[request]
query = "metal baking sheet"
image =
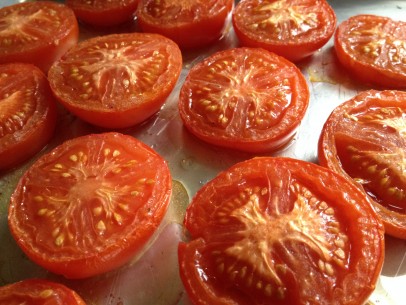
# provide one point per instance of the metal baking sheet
(152, 278)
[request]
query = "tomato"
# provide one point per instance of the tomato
(190, 23)
(364, 140)
(36, 32)
(38, 292)
(102, 12)
(244, 98)
(294, 29)
(373, 49)
(90, 205)
(27, 113)
(280, 231)
(117, 80)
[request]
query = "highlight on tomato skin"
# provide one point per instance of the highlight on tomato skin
(247, 99)
(280, 231)
(37, 32)
(27, 113)
(90, 205)
(363, 139)
(294, 29)
(38, 292)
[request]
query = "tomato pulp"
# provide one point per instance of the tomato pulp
(280, 231)
(364, 140)
(90, 204)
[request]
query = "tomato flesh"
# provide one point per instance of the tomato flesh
(244, 98)
(89, 205)
(294, 29)
(364, 140)
(36, 32)
(280, 231)
(27, 113)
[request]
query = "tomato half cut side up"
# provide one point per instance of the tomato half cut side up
(104, 13)
(36, 32)
(280, 231)
(190, 23)
(27, 113)
(90, 204)
(38, 292)
(294, 29)
(364, 140)
(117, 80)
(247, 99)
(373, 49)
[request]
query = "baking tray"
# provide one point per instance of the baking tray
(152, 277)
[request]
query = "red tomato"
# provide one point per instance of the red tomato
(373, 49)
(117, 80)
(246, 99)
(27, 113)
(280, 231)
(364, 140)
(36, 32)
(102, 12)
(294, 29)
(190, 23)
(38, 292)
(90, 205)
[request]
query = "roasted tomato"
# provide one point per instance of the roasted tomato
(36, 32)
(364, 140)
(244, 98)
(294, 29)
(373, 49)
(27, 113)
(90, 205)
(117, 80)
(102, 12)
(190, 23)
(280, 231)
(38, 292)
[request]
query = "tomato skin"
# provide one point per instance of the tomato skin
(117, 80)
(38, 292)
(276, 25)
(248, 234)
(190, 23)
(37, 47)
(365, 46)
(366, 123)
(103, 13)
(27, 113)
(90, 205)
(246, 99)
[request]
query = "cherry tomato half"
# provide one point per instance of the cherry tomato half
(280, 231)
(36, 32)
(90, 204)
(373, 49)
(294, 29)
(244, 98)
(27, 113)
(364, 140)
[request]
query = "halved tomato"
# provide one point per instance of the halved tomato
(244, 98)
(117, 80)
(38, 292)
(102, 12)
(294, 29)
(90, 204)
(373, 49)
(190, 23)
(36, 32)
(280, 231)
(364, 139)
(27, 113)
